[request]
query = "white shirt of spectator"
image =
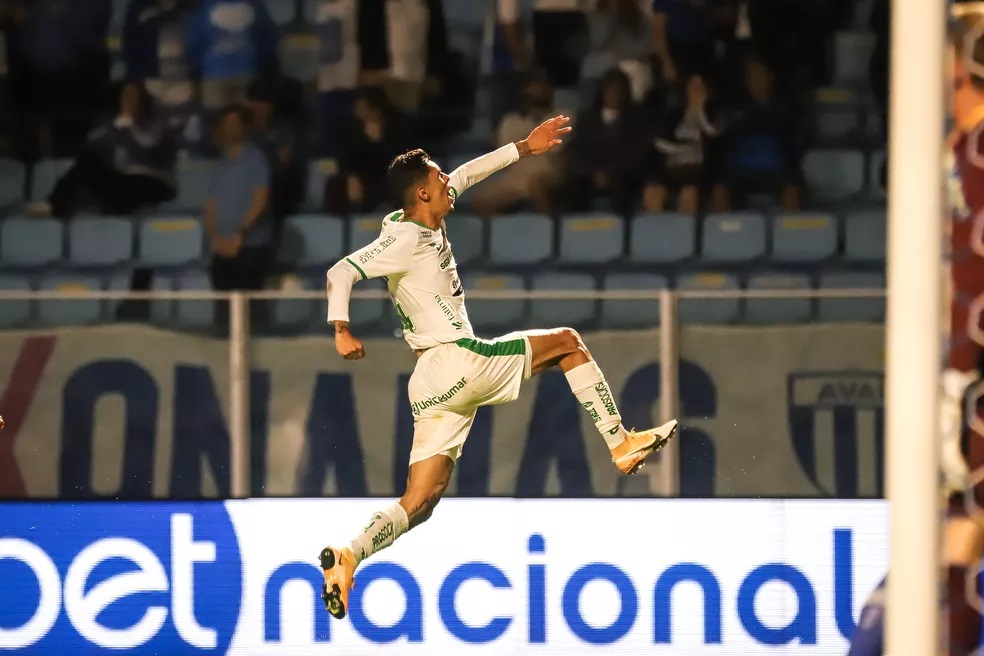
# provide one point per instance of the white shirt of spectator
(336, 22)
(406, 36)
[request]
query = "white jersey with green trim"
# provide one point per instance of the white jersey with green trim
(418, 265)
(422, 277)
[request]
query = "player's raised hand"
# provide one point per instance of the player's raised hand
(546, 136)
(348, 346)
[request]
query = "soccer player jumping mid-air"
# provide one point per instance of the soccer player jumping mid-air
(456, 372)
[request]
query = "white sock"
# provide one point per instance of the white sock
(591, 389)
(382, 530)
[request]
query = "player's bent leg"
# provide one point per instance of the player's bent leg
(426, 483)
(563, 347)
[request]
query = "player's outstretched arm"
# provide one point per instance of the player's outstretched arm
(545, 137)
(347, 344)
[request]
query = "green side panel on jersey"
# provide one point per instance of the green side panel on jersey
(492, 349)
(357, 268)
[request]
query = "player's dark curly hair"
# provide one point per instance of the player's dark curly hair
(405, 174)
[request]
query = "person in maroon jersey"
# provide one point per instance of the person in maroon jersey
(963, 432)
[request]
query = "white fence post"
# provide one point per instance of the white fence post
(664, 480)
(239, 431)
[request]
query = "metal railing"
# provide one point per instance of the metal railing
(662, 477)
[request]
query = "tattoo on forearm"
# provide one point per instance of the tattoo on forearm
(523, 148)
(341, 327)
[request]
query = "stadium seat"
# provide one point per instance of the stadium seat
(299, 55)
(318, 173)
(837, 121)
(292, 313)
(834, 174)
(708, 310)
(636, 313)
(777, 311)
(591, 238)
(662, 238)
(312, 241)
(865, 237)
(12, 175)
(30, 242)
(281, 11)
(467, 236)
(852, 54)
(45, 175)
(804, 238)
(521, 239)
(14, 313)
(70, 312)
(194, 313)
(363, 230)
(573, 312)
(166, 241)
(99, 241)
(852, 309)
(733, 238)
(194, 184)
(492, 316)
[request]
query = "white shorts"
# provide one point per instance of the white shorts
(450, 383)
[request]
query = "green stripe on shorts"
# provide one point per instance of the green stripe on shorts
(492, 349)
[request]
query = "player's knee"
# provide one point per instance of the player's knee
(571, 342)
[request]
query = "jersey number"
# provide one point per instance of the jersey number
(404, 319)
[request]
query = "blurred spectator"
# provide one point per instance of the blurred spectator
(608, 148)
(407, 32)
(237, 212)
(681, 38)
(229, 43)
(621, 36)
(560, 39)
(681, 162)
(279, 135)
(507, 58)
(154, 50)
(376, 135)
(125, 166)
(532, 179)
(337, 26)
(59, 68)
(761, 153)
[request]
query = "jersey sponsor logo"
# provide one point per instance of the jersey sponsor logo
(419, 406)
(446, 262)
(456, 289)
(383, 245)
(592, 412)
(606, 399)
(448, 311)
(385, 533)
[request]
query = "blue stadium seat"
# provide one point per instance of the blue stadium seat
(159, 309)
(195, 314)
(492, 317)
(363, 230)
(777, 311)
(865, 236)
(30, 242)
(632, 314)
(14, 313)
(46, 174)
(852, 54)
(299, 55)
(170, 241)
(313, 240)
(281, 11)
(521, 239)
(12, 174)
(319, 171)
(467, 236)
(591, 238)
(99, 241)
(733, 238)
(292, 313)
(834, 174)
(708, 310)
(70, 312)
(194, 185)
(804, 238)
(852, 309)
(576, 313)
(662, 238)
